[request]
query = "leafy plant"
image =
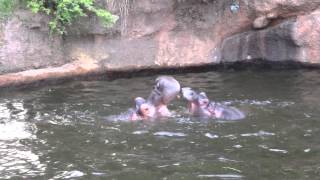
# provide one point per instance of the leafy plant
(64, 12)
(6, 8)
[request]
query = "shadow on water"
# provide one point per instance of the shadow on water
(60, 131)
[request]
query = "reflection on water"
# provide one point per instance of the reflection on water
(14, 130)
(17, 160)
(60, 132)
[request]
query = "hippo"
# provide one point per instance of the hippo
(143, 110)
(200, 105)
(164, 91)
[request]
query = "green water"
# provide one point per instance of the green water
(61, 131)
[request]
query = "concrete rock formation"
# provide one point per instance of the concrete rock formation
(25, 44)
(288, 31)
(168, 33)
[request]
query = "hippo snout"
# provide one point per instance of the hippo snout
(144, 109)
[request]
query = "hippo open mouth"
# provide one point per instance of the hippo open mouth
(144, 108)
(192, 97)
(139, 101)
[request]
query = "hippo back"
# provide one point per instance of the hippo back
(228, 113)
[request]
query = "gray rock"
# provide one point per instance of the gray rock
(260, 22)
(272, 44)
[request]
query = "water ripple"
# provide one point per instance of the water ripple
(211, 136)
(258, 134)
(221, 176)
(279, 151)
(19, 160)
(140, 132)
(169, 134)
(14, 130)
(69, 175)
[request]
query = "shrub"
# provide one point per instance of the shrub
(64, 12)
(7, 7)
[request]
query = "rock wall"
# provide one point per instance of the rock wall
(169, 33)
(25, 44)
(283, 30)
(161, 33)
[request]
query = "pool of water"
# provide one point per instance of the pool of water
(61, 131)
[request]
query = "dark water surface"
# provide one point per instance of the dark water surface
(60, 132)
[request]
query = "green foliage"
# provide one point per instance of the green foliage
(6, 8)
(64, 12)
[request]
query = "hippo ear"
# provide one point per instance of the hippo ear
(186, 88)
(157, 86)
(158, 79)
(139, 101)
(203, 94)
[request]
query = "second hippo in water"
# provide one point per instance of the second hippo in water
(142, 111)
(200, 105)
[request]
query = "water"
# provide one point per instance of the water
(60, 132)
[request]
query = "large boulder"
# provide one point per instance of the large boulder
(295, 39)
(272, 44)
(306, 34)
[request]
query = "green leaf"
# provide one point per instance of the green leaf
(64, 12)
